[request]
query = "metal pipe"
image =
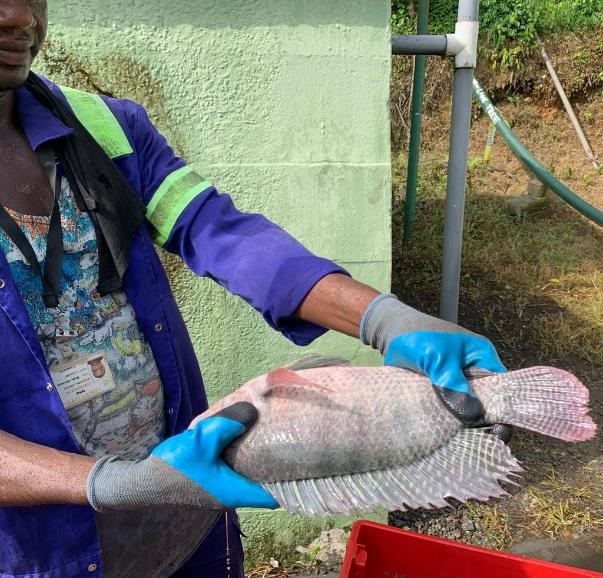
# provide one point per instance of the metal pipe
(418, 86)
(457, 170)
(455, 194)
(420, 44)
(468, 10)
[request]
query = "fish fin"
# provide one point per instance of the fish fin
(473, 372)
(469, 466)
(312, 360)
(549, 401)
(283, 378)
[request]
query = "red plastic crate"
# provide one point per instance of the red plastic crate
(379, 551)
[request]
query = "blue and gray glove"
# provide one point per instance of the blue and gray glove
(184, 471)
(439, 349)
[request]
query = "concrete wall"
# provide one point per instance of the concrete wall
(282, 104)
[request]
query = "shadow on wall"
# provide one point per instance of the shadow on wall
(232, 14)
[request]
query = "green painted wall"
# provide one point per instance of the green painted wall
(282, 104)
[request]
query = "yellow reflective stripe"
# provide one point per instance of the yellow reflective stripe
(92, 111)
(171, 198)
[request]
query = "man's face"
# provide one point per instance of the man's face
(22, 31)
(98, 369)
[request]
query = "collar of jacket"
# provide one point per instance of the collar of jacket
(115, 209)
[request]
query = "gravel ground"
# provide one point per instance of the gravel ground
(452, 524)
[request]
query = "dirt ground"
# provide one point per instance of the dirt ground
(548, 133)
(513, 524)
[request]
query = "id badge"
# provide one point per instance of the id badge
(82, 379)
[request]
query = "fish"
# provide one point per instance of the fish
(333, 438)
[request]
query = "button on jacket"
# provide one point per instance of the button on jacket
(245, 253)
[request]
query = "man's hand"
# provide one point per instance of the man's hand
(184, 471)
(441, 350)
(408, 339)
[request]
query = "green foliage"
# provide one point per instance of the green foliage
(510, 28)
(402, 19)
(507, 29)
(560, 15)
(442, 16)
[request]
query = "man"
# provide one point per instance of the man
(100, 476)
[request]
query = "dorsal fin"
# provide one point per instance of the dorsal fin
(312, 360)
(283, 378)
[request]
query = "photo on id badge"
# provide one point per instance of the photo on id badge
(81, 379)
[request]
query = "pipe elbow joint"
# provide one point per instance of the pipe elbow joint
(463, 44)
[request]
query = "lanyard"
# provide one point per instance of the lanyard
(54, 244)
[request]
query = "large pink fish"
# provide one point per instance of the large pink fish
(340, 439)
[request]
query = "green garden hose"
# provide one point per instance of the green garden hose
(531, 163)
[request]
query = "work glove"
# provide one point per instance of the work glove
(439, 349)
(184, 471)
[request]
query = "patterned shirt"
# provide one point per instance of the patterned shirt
(87, 329)
(127, 420)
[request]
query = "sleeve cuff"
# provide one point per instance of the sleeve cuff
(293, 281)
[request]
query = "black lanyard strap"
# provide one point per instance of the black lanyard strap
(106, 193)
(54, 251)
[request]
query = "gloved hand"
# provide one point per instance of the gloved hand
(440, 349)
(184, 471)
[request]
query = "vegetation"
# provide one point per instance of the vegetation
(558, 507)
(534, 283)
(508, 30)
(541, 15)
(566, 15)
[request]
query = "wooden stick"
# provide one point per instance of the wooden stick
(568, 107)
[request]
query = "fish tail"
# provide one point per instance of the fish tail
(546, 400)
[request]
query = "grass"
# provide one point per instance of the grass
(545, 268)
(561, 517)
(493, 522)
(560, 506)
(267, 571)
(309, 564)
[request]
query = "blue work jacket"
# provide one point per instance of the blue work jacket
(245, 253)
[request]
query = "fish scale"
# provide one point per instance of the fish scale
(342, 439)
(392, 419)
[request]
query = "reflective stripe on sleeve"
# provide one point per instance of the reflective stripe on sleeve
(92, 111)
(171, 198)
